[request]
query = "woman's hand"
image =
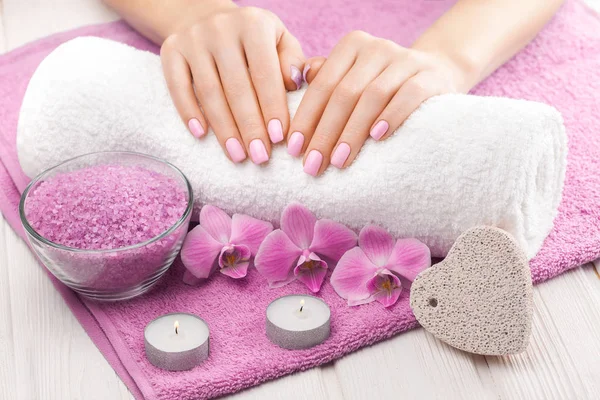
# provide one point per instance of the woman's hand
(230, 67)
(367, 86)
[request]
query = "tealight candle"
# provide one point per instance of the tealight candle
(176, 341)
(298, 321)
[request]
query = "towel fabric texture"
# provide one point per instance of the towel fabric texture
(459, 161)
(561, 67)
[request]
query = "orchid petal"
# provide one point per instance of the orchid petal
(311, 272)
(216, 222)
(237, 271)
(299, 224)
(199, 252)
(409, 257)
(290, 278)
(350, 276)
(233, 254)
(359, 302)
(385, 288)
(190, 279)
(377, 244)
(249, 231)
(332, 239)
(275, 258)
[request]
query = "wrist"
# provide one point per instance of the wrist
(466, 70)
(193, 11)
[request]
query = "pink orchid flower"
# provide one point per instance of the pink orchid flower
(295, 250)
(373, 270)
(223, 242)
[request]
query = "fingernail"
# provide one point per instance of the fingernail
(275, 130)
(313, 162)
(340, 155)
(306, 69)
(296, 76)
(235, 150)
(196, 128)
(258, 152)
(379, 129)
(295, 144)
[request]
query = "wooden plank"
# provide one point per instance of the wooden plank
(2, 39)
(53, 356)
(414, 365)
(563, 359)
(8, 389)
(317, 383)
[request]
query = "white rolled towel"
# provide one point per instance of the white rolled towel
(457, 162)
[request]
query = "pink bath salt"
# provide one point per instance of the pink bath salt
(105, 206)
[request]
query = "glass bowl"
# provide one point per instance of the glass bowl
(115, 274)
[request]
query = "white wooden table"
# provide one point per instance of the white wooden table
(45, 353)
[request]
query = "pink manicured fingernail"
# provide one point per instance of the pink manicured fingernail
(275, 130)
(235, 150)
(258, 152)
(379, 129)
(295, 144)
(196, 128)
(306, 69)
(296, 76)
(313, 162)
(340, 155)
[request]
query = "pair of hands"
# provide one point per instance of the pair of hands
(231, 68)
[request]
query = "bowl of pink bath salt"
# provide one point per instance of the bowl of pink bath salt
(108, 224)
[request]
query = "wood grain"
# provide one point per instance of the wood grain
(45, 353)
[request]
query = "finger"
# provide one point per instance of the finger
(211, 96)
(179, 81)
(316, 97)
(263, 62)
(372, 102)
(243, 103)
(291, 60)
(339, 109)
(412, 93)
(312, 67)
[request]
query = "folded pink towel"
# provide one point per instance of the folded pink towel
(561, 67)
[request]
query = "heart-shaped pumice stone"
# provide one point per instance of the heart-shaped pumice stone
(479, 298)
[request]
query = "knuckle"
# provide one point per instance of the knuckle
(417, 88)
(388, 46)
(322, 86)
(170, 43)
(207, 88)
(252, 126)
(270, 104)
(323, 141)
(346, 92)
(261, 76)
(215, 24)
(358, 35)
(195, 31)
(413, 56)
(253, 14)
(377, 90)
(236, 86)
(353, 130)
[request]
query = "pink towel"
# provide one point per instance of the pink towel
(561, 67)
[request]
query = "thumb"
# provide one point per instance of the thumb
(291, 60)
(312, 67)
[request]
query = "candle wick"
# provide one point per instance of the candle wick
(176, 330)
(301, 307)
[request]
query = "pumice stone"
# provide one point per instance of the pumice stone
(479, 298)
